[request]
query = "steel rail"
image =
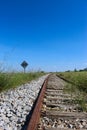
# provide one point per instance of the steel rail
(36, 112)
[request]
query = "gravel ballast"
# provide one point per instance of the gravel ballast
(60, 111)
(16, 104)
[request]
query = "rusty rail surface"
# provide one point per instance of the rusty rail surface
(56, 110)
(36, 113)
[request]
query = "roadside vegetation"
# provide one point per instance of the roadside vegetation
(76, 85)
(13, 80)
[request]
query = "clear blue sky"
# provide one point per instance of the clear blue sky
(48, 34)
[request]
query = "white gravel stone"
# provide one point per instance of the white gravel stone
(16, 104)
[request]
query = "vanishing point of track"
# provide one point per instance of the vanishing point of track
(55, 109)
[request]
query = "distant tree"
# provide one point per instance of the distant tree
(68, 71)
(75, 70)
(80, 70)
(85, 69)
(42, 71)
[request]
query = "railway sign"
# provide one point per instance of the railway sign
(24, 64)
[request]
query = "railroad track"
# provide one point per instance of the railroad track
(55, 110)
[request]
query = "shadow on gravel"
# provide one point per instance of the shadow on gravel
(28, 117)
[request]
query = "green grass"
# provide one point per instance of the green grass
(12, 80)
(78, 78)
(78, 86)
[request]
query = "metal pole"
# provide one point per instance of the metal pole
(24, 70)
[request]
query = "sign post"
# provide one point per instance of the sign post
(24, 64)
